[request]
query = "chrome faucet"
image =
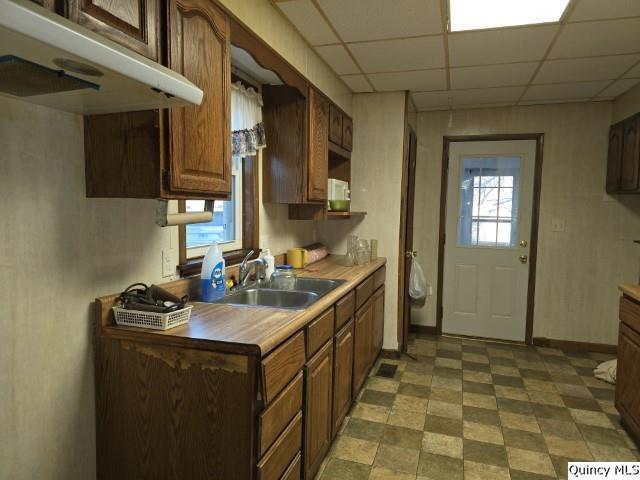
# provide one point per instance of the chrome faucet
(246, 266)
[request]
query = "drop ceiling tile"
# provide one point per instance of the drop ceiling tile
(634, 72)
(492, 75)
(357, 20)
(309, 22)
(479, 96)
(599, 9)
(338, 58)
(399, 55)
(485, 47)
(357, 83)
(422, 80)
(609, 37)
(564, 90)
(580, 69)
(619, 87)
(556, 100)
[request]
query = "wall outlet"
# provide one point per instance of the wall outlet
(557, 225)
(168, 262)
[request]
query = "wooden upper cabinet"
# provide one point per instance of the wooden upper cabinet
(200, 140)
(347, 133)
(134, 24)
(318, 161)
(318, 415)
(335, 125)
(630, 155)
(614, 158)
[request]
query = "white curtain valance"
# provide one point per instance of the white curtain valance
(246, 121)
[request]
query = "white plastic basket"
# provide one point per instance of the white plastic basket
(157, 321)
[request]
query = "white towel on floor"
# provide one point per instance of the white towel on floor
(607, 371)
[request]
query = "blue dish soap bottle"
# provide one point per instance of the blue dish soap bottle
(212, 277)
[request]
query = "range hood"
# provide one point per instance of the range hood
(49, 60)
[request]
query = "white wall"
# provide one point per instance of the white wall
(578, 269)
(376, 175)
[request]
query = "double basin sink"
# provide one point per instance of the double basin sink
(306, 292)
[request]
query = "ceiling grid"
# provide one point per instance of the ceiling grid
(591, 54)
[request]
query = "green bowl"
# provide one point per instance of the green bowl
(339, 205)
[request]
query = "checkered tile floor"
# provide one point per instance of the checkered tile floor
(479, 410)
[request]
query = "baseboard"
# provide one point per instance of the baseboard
(424, 329)
(575, 346)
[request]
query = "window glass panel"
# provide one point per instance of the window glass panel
(221, 229)
(489, 191)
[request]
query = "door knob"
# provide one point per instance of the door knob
(523, 243)
(523, 258)
(411, 254)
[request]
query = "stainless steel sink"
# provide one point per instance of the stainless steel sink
(321, 286)
(306, 292)
(268, 297)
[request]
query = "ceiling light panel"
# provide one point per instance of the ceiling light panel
(362, 20)
(477, 15)
(308, 20)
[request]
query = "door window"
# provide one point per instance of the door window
(489, 192)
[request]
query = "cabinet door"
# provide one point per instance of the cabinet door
(630, 155)
(200, 136)
(318, 161)
(378, 323)
(342, 375)
(362, 345)
(335, 126)
(134, 24)
(628, 377)
(318, 418)
(347, 133)
(614, 158)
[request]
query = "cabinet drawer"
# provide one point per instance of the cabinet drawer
(630, 313)
(294, 470)
(364, 291)
(275, 418)
(378, 278)
(319, 331)
(345, 308)
(284, 450)
(281, 366)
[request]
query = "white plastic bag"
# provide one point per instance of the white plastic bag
(417, 282)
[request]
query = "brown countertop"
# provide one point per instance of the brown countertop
(252, 330)
(631, 290)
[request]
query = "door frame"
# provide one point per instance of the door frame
(535, 217)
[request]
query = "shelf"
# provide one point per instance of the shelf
(342, 215)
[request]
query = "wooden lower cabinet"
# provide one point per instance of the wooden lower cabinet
(362, 351)
(342, 374)
(378, 323)
(239, 416)
(627, 399)
(318, 418)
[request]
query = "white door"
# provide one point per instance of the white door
(488, 228)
